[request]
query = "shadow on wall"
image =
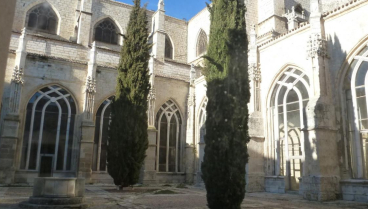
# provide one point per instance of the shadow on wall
(324, 134)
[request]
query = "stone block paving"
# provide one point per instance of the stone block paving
(107, 197)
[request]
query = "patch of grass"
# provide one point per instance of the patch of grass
(165, 192)
(181, 186)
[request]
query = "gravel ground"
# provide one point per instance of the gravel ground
(107, 197)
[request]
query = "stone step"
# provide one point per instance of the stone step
(27, 205)
(56, 201)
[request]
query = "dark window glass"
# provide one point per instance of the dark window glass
(103, 119)
(50, 127)
(106, 32)
(163, 144)
(172, 144)
(168, 48)
(42, 18)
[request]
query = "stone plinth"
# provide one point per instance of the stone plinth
(355, 190)
(275, 184)
(52, 192)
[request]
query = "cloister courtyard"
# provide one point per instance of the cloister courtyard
(170, 196)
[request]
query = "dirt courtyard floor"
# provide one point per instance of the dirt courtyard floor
(166, 196)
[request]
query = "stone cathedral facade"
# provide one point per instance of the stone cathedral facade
(308, 61)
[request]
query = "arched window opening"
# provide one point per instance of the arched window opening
(356, 88)
(202, 132)
(42, 18)
(103, 119)
(168, 124)
(288, 102)
(202, 43)
(169, 50)
(106, 32)
(49, 130)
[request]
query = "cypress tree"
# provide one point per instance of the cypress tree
(128, 138)
(226, 71)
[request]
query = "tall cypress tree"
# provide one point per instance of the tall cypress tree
(128, 138)
(226, 139)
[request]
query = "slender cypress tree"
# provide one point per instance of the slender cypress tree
(128, 138)
(226, 139)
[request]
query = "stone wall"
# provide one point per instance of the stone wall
(355, 190)
(178, 32)
(275, 184)
(199, 22)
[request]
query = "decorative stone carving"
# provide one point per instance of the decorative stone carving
(316, 46)
(192, 74)
(161, 5)
(151, 107)
(254, 71)
(90, 96)
(17, 76)
(294, 18)
(16, 88)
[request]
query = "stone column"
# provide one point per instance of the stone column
(84, 22)
(149, 175)
(321, 169)
(190, 140)
(88, 126)
(158, 22)
(6, 22)
(255, 167)
(10, 134)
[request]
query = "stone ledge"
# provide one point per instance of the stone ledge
(55, 201)
(354, 190)
(33, 206)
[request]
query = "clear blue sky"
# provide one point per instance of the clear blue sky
(175, 8)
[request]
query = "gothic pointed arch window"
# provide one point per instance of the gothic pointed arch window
(49, 130)
(288, 102)
(169, 49)
(42, 18)
(106, 31)
(202, 43)
(168, 124)
(356, 101)
(103, 119)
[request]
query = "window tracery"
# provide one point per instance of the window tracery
(49, 129)
(106, 32)
(356, 88)
(288, 102)
(42, 18)
(168, 124)
(202, 43)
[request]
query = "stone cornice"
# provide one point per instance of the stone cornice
(289, 33)
(343, 8)
(34, 55)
